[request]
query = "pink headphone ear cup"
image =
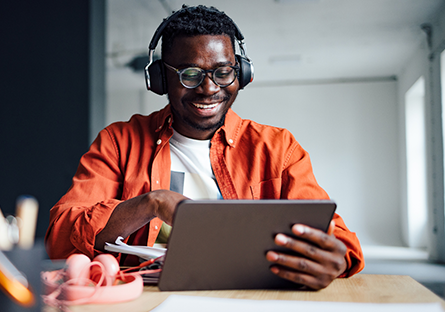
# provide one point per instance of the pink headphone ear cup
(78, 268)
(79, 290)
(110, 268)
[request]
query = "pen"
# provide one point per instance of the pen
(27, 210)
(5, 242)
(14, 283)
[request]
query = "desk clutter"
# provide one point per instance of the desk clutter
(83, 281)
(20, 258)
(19, 230)
(153, 256)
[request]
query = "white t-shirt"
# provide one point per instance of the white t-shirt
(191, 170)
(191, 173)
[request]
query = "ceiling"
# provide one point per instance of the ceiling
(288, 40)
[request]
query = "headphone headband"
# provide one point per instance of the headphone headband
(158, 33)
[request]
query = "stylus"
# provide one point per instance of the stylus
(14, 283)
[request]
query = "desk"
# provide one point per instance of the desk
(359, 288)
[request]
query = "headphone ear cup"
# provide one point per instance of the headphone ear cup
(76, 288)
(246, 71)
(78, 269)
(109, 268)
(155, 78)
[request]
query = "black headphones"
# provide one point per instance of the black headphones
(155, 74)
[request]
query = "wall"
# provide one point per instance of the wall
(130, 98)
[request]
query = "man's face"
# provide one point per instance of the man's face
(199, 112)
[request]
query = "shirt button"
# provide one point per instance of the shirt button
(159, 141)
(156, 227)
(230, 141)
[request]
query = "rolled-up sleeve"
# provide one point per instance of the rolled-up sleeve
(82, 212)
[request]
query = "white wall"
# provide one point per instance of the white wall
(128, 96)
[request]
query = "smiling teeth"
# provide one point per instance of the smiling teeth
(205, 106)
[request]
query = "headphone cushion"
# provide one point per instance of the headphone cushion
(155, 78)
(78, 268)
(109, 268)
(246, 71)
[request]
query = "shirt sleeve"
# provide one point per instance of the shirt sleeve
(299, 183)
(82, 212)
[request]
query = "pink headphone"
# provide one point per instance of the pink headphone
(85, 281)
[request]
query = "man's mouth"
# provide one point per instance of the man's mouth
(206, 106)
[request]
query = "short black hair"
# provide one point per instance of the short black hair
(197, 20)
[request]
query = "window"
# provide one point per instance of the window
(416, 164)
(442, 88)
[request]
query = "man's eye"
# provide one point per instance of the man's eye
(223, 72)
(191, 74)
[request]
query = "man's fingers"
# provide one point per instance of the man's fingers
(303, 248)
(319, 257)
(300, 278)
(317, 237)
(296, 263)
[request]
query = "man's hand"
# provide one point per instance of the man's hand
(320, 259)
(163, 204)
(134, 213)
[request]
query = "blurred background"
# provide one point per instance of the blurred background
(358, 83)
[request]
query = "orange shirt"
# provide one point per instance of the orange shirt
(127, 159)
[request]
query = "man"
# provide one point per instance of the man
(124, 185)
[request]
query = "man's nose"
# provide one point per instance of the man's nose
(208, 86)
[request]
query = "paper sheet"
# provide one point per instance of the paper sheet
(144, 252)
(197, 304)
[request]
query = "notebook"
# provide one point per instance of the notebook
(221, 244)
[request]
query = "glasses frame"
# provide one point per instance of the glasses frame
(204, 73)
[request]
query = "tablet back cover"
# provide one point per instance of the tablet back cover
(222, 244)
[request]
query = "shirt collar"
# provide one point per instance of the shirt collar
(231, 128)
(165, 118)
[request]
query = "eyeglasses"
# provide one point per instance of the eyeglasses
(192, 77)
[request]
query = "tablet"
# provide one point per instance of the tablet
(221, 244)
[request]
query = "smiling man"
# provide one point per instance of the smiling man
(135, 173)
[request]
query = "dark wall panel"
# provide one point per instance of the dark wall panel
(44, 94)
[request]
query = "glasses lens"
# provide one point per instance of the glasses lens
(191, 77)
(224, 76)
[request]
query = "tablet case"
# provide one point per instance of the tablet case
(221, 244)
